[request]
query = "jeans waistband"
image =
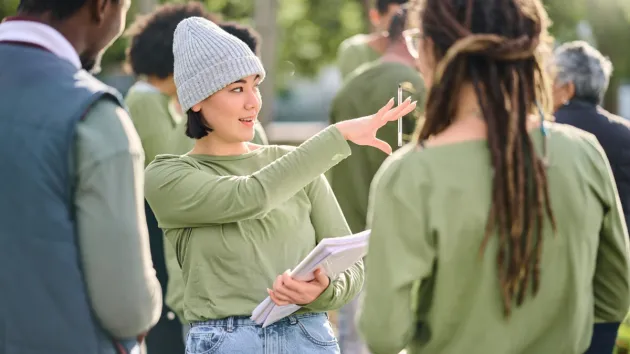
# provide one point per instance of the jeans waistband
(238, 321)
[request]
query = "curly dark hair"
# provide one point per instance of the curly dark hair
(150, 50)
(244, 33)
(497, 46)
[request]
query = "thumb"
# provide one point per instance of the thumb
(381, 145)
(320, 276)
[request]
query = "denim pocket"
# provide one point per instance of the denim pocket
(204, 339)
(318, 330)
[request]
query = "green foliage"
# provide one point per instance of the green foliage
(309, 31)
(8, 7)
(565, 16)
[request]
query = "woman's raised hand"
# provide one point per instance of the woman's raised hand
(362, 131)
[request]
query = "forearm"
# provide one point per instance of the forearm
(111, 227)
(191, 198)
(123, 289)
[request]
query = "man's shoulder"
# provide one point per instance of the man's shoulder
(107, 129)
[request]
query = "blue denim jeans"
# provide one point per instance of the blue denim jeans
(303, 334)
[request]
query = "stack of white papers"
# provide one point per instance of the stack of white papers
(333, 255)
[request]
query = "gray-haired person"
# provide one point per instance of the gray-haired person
(582, 77)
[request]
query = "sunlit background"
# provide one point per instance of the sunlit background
(301, 37)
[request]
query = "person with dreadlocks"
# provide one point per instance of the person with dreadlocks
(493, 224)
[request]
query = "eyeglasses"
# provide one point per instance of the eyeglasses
(412, 39)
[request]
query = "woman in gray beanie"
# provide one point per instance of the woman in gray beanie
(240, 214)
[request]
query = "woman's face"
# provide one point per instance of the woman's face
(233, 111)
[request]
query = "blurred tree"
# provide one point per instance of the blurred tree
(611, 25)
(309, 31)
(8, 7)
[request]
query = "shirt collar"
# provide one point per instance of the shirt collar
(39, 34)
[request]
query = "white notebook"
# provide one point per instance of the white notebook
(334, 255)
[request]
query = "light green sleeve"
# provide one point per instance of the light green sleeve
(348, 59)
(149, 115)
(328, 221)
(260, 137)
(182, 196)
(113, 239)
(400, 256)
(611, 283)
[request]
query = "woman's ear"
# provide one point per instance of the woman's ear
(196, 108)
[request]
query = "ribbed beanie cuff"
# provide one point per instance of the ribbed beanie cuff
(205, 83)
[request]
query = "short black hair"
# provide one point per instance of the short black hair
(196, 127)
(150, 50)
(397, 26)
(382, 6)
(59, 9)
(244, 33)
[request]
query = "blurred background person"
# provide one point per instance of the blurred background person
(495, 231)
(364, 48)
(156, 115)
(582, 75)
(365, 90)
(76, 269)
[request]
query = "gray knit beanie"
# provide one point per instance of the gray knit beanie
(207, 59)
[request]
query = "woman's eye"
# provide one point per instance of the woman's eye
(238, 89)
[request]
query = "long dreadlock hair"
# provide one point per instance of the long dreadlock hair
(497, 46)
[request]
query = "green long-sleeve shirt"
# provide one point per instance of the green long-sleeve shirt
(111, 229)
(428, 290)
(366, 91)
(236, 222)
(162, 131)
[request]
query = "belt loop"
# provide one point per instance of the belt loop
(230, 324)
(293, 320)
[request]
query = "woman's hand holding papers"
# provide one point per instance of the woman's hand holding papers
(287, 290)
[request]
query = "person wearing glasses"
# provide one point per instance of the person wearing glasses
(494, 231)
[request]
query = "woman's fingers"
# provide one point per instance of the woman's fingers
(275, 298)
(402, 110)
(381, 145)
(381, 112)
(291, 284)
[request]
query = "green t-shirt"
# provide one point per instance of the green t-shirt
(354, 52)
(365, 92)
(237, 222)
(428, 289)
